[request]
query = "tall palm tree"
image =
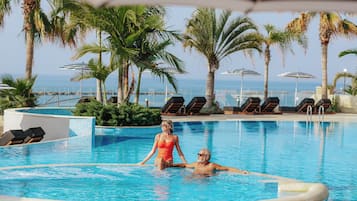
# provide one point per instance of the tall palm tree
(36, 26)
(218, 37)
(281, 38)
(331, 25)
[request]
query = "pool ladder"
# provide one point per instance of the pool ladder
(321, 113)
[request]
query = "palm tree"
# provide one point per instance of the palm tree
(125, 29)
(217, 38)
(20, 96)
(37, 26)
(283, 39)
(152, 56)
(331, 25)
(348, 52)
(352, 89)
(99, 72)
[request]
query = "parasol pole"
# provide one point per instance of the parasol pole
(295, 101)
(166, 91)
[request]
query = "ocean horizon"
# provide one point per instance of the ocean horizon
(156, 91)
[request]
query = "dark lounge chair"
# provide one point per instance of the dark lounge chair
(113, 99)
(268, 106)
(324, 103)
(86, 99)
(195, 105)
(301, 107)
(174, 106)
(34, 134)
(251, 105)
(12, 137)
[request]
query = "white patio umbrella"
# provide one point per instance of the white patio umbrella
(79, 67)
(5, 87)
(241, 72)
(297, 76)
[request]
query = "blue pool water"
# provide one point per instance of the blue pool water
(312, 152)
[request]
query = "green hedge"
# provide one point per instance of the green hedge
(124, 115)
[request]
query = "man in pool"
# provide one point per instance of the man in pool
(206, 168)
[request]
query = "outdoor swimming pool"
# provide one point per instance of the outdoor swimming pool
(312, 152)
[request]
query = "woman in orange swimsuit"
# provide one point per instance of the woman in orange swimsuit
(165, 143)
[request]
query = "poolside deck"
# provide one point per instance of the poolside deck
(338, 117)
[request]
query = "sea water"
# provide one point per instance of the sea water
(156, 91)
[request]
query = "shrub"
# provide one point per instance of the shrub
(124, 115)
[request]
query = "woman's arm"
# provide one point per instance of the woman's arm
(178, 148)
(153, 150)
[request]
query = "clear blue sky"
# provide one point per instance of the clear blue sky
(49, 57)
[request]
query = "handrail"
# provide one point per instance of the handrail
(309, 113)
(321, 113)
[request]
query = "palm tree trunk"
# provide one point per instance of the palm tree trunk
(104, 93)
(28, 8)
(137, 91)
(120, 85)
(29, 54)
(126, 80)
(99, 91)
(210, 88)
(99, 82)
(266, 72)
(324, 48)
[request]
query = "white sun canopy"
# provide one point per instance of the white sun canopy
(246, 5)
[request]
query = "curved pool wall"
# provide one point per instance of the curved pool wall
(57, 125)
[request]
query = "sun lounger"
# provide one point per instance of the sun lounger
(12, 137)
(325, 103)
(195, 105)
(251, 105)
(174, 106)
(34, 134)
(302, 107)
(113, 99)
(268, 106)
(86, 99)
